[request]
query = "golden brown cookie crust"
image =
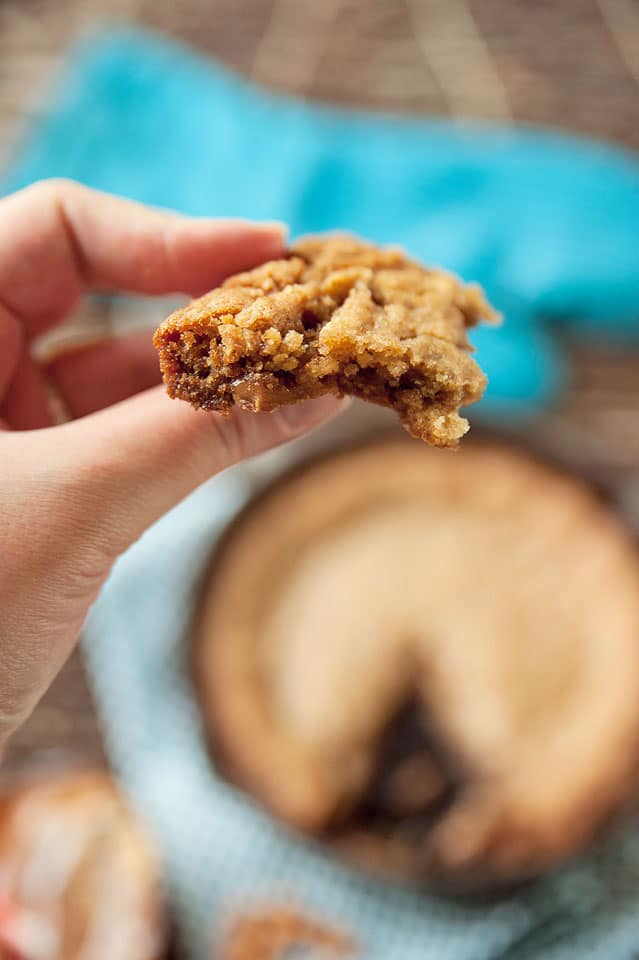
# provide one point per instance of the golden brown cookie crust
(338, 316)
(495, 592)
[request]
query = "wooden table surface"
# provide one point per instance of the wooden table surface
(572, 65)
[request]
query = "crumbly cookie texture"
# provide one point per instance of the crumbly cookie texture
(337, 316)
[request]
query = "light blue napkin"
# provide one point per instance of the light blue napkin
(549, 225)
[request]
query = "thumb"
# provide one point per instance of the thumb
(76, 496)
(135, 460)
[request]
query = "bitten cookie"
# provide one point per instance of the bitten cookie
(337, 316)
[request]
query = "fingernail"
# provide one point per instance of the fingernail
(299, 417)
(273, 232)
(271, 238)
(273, 226)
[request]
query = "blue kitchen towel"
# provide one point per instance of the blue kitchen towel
(549, 224)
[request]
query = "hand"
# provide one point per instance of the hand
(74, 496)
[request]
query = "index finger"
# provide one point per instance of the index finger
(59, 239)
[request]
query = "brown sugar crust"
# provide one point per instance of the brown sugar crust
(430, 661)
(78, 871)
(338, 316)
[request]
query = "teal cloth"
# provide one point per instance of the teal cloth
(549, 225)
